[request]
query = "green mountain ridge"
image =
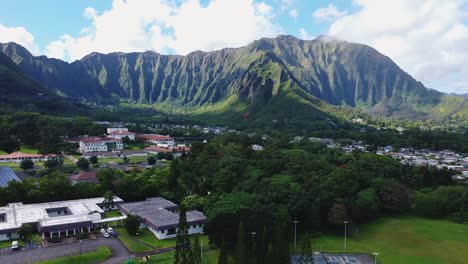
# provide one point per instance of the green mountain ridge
(256, 78)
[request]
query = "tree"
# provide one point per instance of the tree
(307, 256)
(132, 224)
(337, 214)
(160, 155)
(53, 163)
(83, 164)
(241, 250)
(125, 160)
(394, 197)
(27, 164)
(25, 232)
(151, 160)
(93, 159)
(196, 251)
(365, 206)
(223, 257)
(9, 145)
(108, 200)
(183, 254)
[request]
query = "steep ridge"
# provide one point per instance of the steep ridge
(331, 70)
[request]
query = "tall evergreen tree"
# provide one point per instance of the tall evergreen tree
(183, 254)
(196, 251)
(241, 251)
(307, 256)
(223, 257)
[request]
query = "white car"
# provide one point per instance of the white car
(107, 235)
(103, 231)
(110, 230)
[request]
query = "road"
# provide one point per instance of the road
(118, 256)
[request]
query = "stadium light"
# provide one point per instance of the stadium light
(375, 256)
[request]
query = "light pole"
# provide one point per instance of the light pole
(80, 247)
(345, 225)
(253, 236)
(295, 233)
(375, 256)
(201, 245)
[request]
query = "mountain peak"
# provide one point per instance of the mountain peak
(329, 39)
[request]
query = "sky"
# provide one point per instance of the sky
(426, 38)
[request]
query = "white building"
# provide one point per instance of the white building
(113, 129)
(159, 140)
(100, 144)
(120, 134)
(160, 216)
(62, 218)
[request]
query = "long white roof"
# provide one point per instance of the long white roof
(17, 214)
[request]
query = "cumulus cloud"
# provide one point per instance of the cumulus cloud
(427, 38)
(293, 13)
(327, 13)
(19, 35)
(163, 26)
(305, 35)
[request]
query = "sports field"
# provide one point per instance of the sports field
(406, 240)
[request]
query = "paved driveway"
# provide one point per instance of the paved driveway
(118, 256)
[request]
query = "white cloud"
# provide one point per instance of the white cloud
(19, 35)
(305, 35)
(327, 13)
(293, 13)
(163, 26)
(427, 38)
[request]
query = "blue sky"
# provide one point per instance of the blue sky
(427, 38)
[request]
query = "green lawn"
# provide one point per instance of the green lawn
(101, 254)
(209, 257)
(36, 238)
(405, 240)
(113, 213)
(146, 236)
(23, 149)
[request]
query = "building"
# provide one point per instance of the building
(62, 218)
(159, 140)
(256, 147)
(7, 175)
(100, 144)
(20, 156)
(120, 134)
(113, 129)
(115, 154)
(86, 176)
(160, 216)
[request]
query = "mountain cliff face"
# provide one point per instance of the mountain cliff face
(334, 71)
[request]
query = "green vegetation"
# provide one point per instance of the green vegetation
(209, 257)
(113, 213)
(404, 240)
(101, 254)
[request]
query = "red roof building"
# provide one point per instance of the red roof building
(87, 176)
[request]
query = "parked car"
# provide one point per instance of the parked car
(14, 246)
(103, 231)
(107, 235)
(113, 233)
(109, 230)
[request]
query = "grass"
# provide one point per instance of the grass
(405, 240)
(36, 238)
(209, 257)
(113, 213)
(147, 237)
(101, 254)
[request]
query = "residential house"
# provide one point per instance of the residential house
(159, 140)
(86, 176)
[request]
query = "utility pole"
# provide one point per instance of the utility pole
(345, 225)
(375, 256)
(295, 233)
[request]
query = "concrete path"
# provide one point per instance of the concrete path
(118, 256)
